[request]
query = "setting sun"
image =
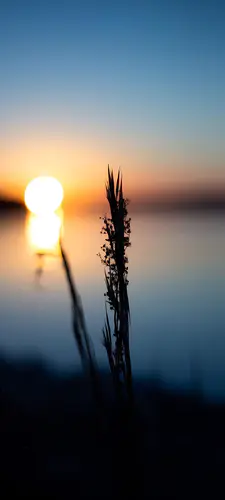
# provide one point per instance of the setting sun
(44, 195)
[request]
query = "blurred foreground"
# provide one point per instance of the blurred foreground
(54, 443)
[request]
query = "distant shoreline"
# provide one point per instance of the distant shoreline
(178, 207)
(166, 205)
(11, 206)
(183, 202)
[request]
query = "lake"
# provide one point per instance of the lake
(176, 290)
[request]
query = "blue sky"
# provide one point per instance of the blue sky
(136, 83)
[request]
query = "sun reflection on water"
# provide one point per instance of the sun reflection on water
(44, 231)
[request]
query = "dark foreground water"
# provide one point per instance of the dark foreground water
(56, 443)
(177, 295)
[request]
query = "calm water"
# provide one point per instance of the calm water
(177, 295)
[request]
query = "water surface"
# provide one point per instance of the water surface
(177, 296)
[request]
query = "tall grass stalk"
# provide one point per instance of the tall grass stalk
(116, 228)
(81, 336)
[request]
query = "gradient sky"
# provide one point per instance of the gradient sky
(140, 84)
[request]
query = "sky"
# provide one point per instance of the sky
(136, 84)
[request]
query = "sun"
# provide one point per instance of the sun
(44, 195)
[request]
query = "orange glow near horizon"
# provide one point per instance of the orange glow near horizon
(81, 166)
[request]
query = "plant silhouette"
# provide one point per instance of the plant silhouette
(116, 228)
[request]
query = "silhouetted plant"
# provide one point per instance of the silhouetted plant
(81, 336)
(116, 227)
